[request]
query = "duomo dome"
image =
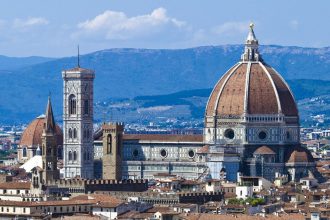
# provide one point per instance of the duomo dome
(252, 121)
(251, 94)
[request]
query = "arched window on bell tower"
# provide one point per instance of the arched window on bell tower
(74, 133)
(72, 105)
(70, 133)
(74, 155)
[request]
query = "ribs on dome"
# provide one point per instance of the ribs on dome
(254, 103)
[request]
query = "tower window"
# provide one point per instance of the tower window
(70, 133)
(74, 155)
(86, 107)
(72, 105)
(70, 156)
(109, 144)
(74, 133)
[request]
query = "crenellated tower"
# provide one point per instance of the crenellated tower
(112, 150)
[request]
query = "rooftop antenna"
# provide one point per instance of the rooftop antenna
(78, 57)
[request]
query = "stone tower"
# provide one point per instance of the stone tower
(49, 147)
(112, 150)
(78, 122)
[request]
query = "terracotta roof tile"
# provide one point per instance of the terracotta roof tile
(32, 134)
(15, 185)
(228, 96)
(264, 150)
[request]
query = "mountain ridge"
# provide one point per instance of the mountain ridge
(131, 72)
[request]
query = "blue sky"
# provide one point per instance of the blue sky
(54, 28)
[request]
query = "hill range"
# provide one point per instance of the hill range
(145, 76)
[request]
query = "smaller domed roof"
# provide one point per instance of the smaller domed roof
(263, 150)
(31, 136)
(300, 155)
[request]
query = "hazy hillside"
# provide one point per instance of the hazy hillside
(139, 72)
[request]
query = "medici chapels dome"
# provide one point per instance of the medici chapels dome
(250, 113)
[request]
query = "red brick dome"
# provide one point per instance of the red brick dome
(300, 155)
(251, 87)
(31, 136)
(264, 150)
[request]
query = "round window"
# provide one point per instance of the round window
(191, 153)
(229, 133)
(262, 135)
(163, 153)
(135, 152)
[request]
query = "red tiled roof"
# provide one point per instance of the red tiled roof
(15, 185)
(204, 216)
(228, 96)
(32, 134)
(264, 150)
(203, 150)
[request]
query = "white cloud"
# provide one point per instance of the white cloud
(30, 22)
(231, 28)
(118, 26)
(294, 24)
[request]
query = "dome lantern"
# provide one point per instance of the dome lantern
(251, 52)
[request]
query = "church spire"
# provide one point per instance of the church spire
(49, 119)
(251, 52)
(78, 58)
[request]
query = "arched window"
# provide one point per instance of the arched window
(74, 155)
(70, 156)
(74, 133)
(70, 133)
(72, 105)
(86, 107)
(24, 152)
(109, 143)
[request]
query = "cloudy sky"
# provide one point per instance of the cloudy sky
(55, 28)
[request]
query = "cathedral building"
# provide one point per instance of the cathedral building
(252, 121)
(78, 153)
(251, 127)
